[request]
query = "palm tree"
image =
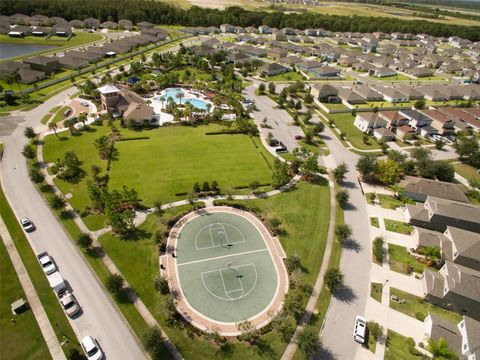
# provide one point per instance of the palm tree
(69, 124)
(440, 350)
(209, 107)
(179, 96)
(83, 118)
(162, 100)
(53, 126)
(17, 78)
(9, 79)
(188, 111)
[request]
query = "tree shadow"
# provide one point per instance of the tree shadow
(351, 244)
(325, 354)
(96, 252)
(349, 206)
(226, 350)
(264, 349)
(349, 184)
(137, 234)
(319, 180)
(345, 294)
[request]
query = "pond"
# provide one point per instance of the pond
(14, 50)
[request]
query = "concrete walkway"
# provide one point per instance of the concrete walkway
(33, 301)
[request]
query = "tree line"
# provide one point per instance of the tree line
(162, 13)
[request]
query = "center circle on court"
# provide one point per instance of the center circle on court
(225, 269)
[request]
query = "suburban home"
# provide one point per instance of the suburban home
(418, 72)
(279, 35)
(145, 25)
(317, 70)
(437, 214)
(461, 247)
(277, 53)
(76, 24)
(325, 93)
(391, 94)
(226, 45)
(410, 92)
(393, 119)
(96, 52)
(264, 29)
(91, 23)
(20, 31)
(125, 24)
(39, 20)
(227, 28)
(46, 64)
(27, 75)
(41, 31)
(120, 101)
(19, 19)
(433, 93)
(70, 62)
(109, 25)
(454, 287)
(416, 119)
(462, 338)
(383, 134)
(290, 61)
(158, 33)
(368, 121)
(238, 58)
(62, 30)
(441, 121)
(350, 96)
(451, 92)
(202, 50)
(470, 92)
(273, 69)
(368, 93)
(418, 189)
(56, 20)
(382, 72)
(463, 119)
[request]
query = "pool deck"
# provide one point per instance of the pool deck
(168, 269)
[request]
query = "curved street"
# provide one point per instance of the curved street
(100, 318)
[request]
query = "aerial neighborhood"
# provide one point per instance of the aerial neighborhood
(242, 179)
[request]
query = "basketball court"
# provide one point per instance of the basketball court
(226, 268)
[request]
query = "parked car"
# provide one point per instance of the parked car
(274, 142)
(451, 138)
(27, 224)
(91, 348)
(281, 148)
(298, 137)
(68, 302)
(67, 112)
(360, 330)
(47, 263)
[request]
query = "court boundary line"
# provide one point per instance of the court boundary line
(220, 257)
(213, 243)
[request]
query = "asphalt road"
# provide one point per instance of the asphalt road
(100, 318)
(355, 264)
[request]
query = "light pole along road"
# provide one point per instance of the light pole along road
(99, 318)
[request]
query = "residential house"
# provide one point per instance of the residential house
(382, 72)
(91, 23)
(20, 31)
(350, 96)
(279, 35)
(317, 70)
(145, 25)
(410, 92)
(19, 19)
(39, 20)
(433, 93)
(470, 330)
(463, 119)
(394, 119)
(76, 24)
(96, 53)
(125, 24)
(290, 61)
(264, 29)
(46, 64)
(227, 28)
(367, 121)
(226, 46)
(416, 119)
(62, 30)
(368, 93)
(27, 75)
(437, 214)
(158, 33)
(469, 92)
(109, 25)
(41, 31)
(418, 189)
(454, 287)
(70, 62)
(438, 327)
(272, 69)
(418, 72)
(277, 53)
(441, 121)
(56, 20)
(461, 247)
(391, 94)
(325, 93)
(238, 58)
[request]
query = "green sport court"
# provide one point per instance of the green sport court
(224, 268)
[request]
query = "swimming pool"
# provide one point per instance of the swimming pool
(172, 93)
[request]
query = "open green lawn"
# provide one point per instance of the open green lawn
(168, 163)
(79, 38)
(396, 77)
(400, 260)
(194, 74)
(335, 106)
(397, 347)
(398, 226)
(466, 171)
(388, 201)
(288, 76)
(376, 291)
(344, 122)
(54, 312)
(59, 116)
(418, 308)
(305, 236)
(13, 335)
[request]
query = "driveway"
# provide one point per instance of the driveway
(100, 317)
(355, 262)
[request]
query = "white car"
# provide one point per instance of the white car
(27, 224)
(69, 303)
(46, 262)
(360, 330)
(91, 348)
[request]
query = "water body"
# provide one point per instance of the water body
(14, 50)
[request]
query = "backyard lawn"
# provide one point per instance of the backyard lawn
(344, 122)
(398, 226)
(401, 259)
(305, 231)
(13, 344)
(166, 164)
(389, 202)
(398, 347)
(466, 171)
(418, 308)
(288, 76)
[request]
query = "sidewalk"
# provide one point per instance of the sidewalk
(33, 301)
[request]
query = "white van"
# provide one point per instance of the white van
(360, 330)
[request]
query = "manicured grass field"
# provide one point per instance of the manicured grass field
(398, 226)
(396, 77)
(389, 202)
(376, 291)
(374, 222)
(344, 122)
(54, 312)
(288, 76)
(397, 347)
(13, 336)
(168, 163)
(59, 116)
(400, 259)
(418, 308)
(466, 171)
(372, 343)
